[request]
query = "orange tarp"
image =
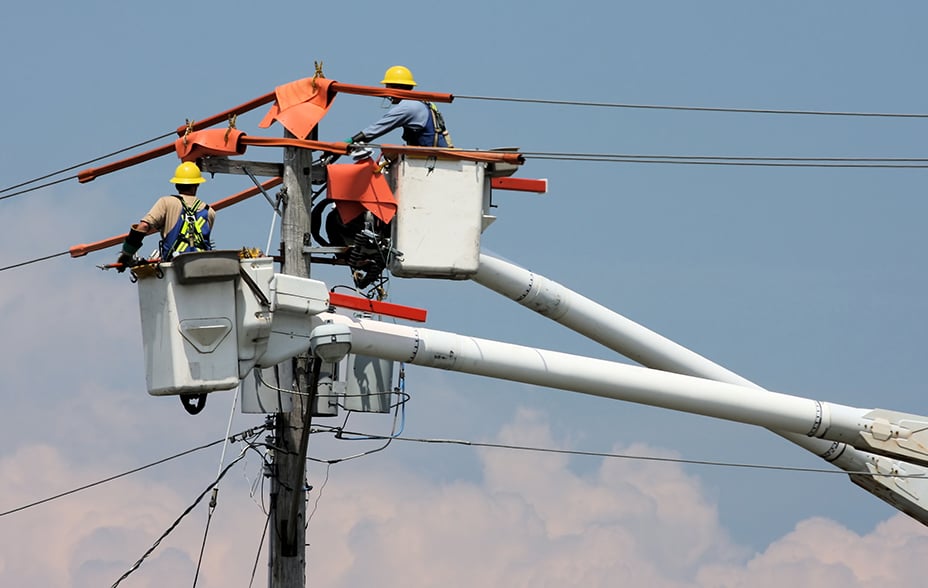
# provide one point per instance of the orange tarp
(209, 142)
(300, 105)
(358, 186)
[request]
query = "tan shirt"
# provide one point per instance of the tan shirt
(166, 212)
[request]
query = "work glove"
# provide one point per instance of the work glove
(356, 138)
(126, 259)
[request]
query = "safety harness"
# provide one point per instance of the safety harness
(190, 232)
(438, 121)
(429, 135)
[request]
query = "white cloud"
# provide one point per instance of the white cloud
(529, 521)
(532, 522)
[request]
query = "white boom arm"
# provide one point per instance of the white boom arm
(881, 431)
(616, 332)
(209, 318)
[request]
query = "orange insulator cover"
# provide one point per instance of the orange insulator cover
(209, 142)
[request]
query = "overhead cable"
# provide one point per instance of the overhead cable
(243, 435)
(173, 526)
(819, 162)
(39, 187)
(75, 166)
(36, 260)
(214, 498)
(690, 108)
(639, 457)
(254, 568)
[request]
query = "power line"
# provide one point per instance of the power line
(243, 435)
(38, 259)
(690, 108)
(254, 568)
(636, 457)
(75, 166)
(584, 103)
(39, 187)
(173, 526)
(817, 162)
(733, 157)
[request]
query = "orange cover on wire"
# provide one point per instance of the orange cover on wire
(300, 105)
(209, 142)
(358, 186)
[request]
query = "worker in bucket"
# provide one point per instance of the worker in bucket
(422, 124)
(184, 221)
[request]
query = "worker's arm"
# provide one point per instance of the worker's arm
(398, 116)
(132, 243)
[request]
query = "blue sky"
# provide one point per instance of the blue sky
(805, 280)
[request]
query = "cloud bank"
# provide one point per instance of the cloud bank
(529, 521)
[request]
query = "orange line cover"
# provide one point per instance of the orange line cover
(446, 153)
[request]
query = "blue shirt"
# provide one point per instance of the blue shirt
(415, 119)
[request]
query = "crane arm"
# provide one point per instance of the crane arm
(609, 328)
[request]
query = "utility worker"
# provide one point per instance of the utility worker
(422, 124)
(184, 221)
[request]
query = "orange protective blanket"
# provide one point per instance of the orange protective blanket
(358, 186)
(209, 142)
(300, 105)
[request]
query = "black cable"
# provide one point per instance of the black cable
(689, 108)
(77, 165)
(568, 154)
(124, 474)
(254, 569)
(498, 99)
(15, 265)
(46, 185)
(157, 542)
(209, 518)
(731, 161)
(325, 481)
(638, 457)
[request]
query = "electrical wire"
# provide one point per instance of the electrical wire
(75, 166)
(47, 257)
(243, 435)
(173, 526)
(215, 496)
(254, 569)
(689, 108)
(583, 103)
(638, 457)
(325, 481)
(39, 187)
(823, 162)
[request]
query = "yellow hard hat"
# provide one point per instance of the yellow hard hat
(187, 173)
(398, 74)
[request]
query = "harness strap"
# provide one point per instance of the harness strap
(438, 123)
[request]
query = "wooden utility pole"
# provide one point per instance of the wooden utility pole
(287, 544)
